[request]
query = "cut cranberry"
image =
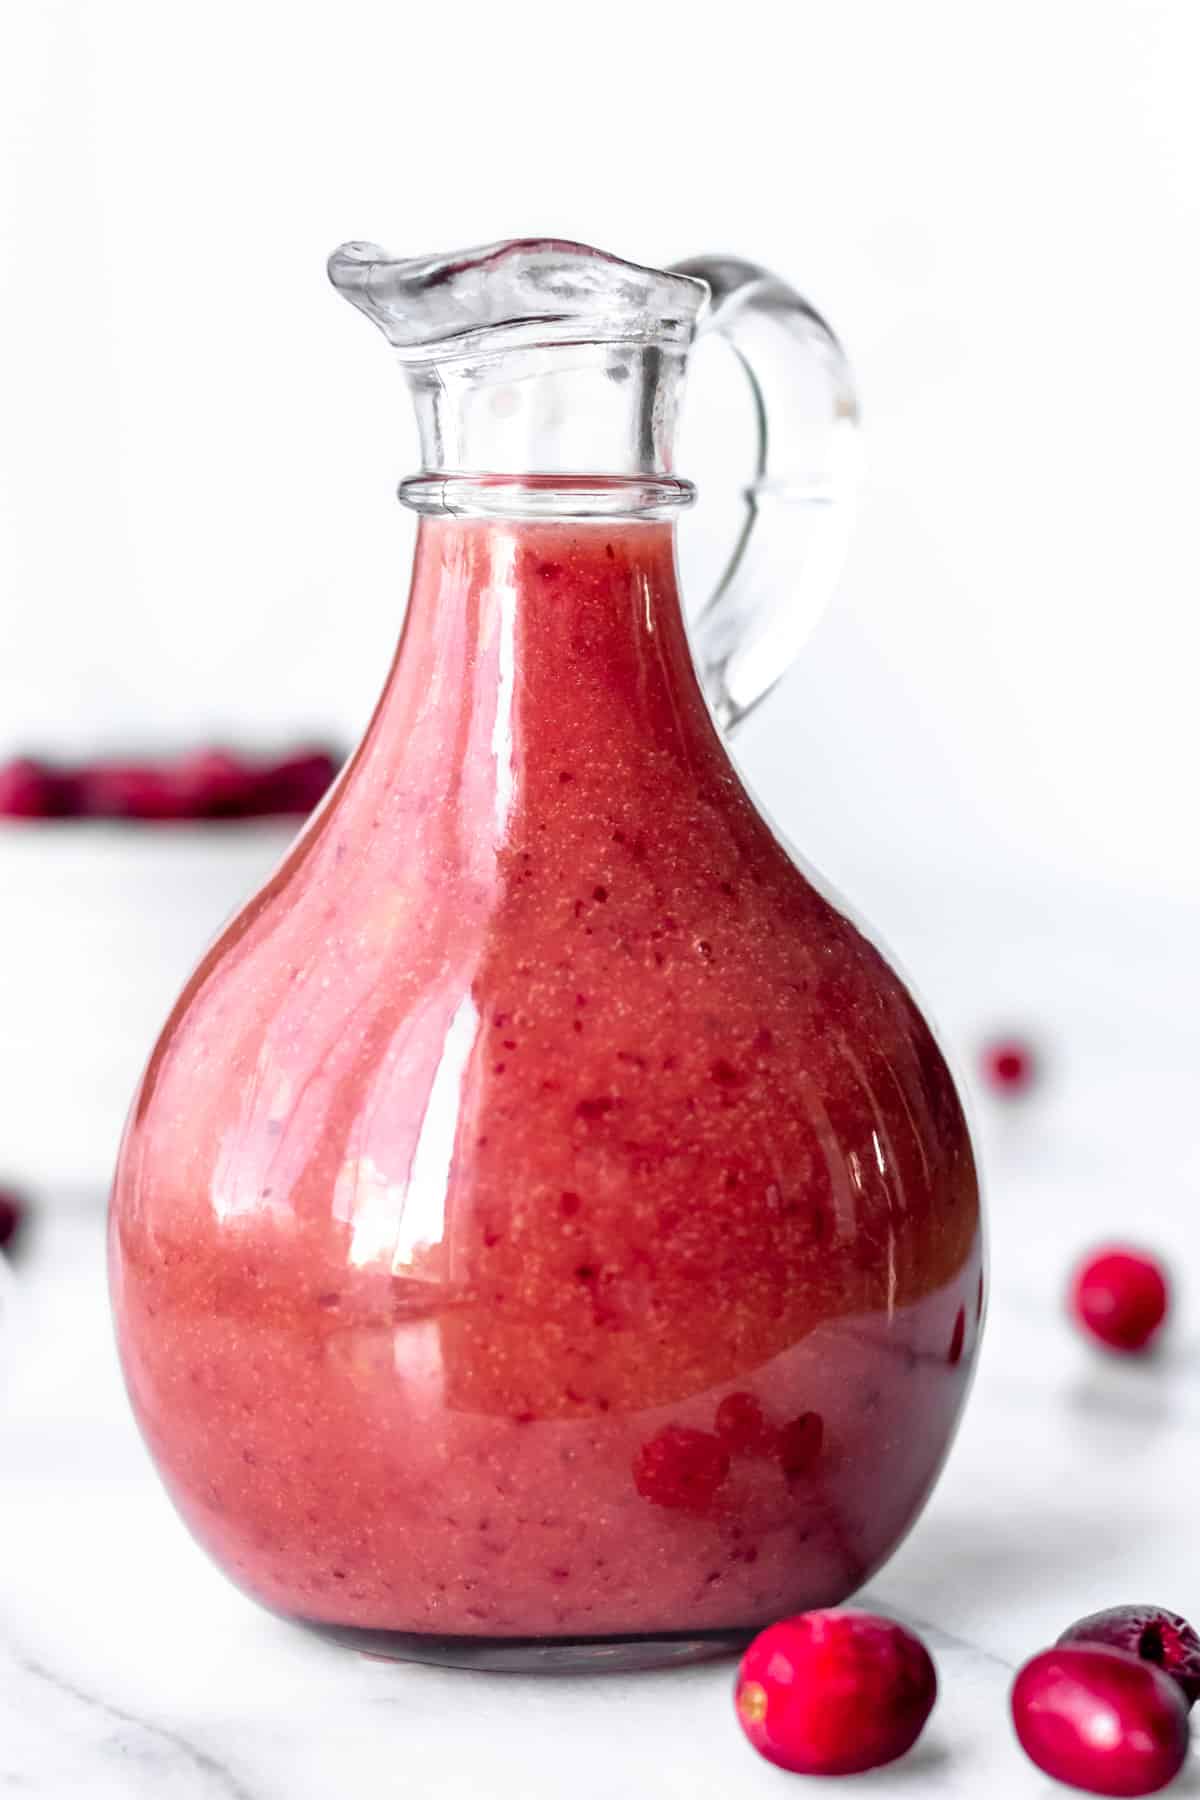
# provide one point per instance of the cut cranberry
(30, 790)
(744, 1427)
(800, 1442)
(1157, 1636)
(295, 784)
(833, 1693)
(1009, 1066)
(13, 1216)
(1120, 1295)
(1100, 1719)
(681, 1468)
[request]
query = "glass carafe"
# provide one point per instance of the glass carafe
(547, 1233)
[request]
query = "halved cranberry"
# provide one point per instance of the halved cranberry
(833, 1693)
(741, 1423)
(1100, 1719)
(1157, 1636)
(800, 1442)
(681, 1468)
(1120, 1295)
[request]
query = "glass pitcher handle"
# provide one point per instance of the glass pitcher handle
(792, 542)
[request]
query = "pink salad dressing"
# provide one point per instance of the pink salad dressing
(538, 1110)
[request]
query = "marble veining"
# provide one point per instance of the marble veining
(156, 1750)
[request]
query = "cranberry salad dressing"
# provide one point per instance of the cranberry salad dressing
(545, 1213)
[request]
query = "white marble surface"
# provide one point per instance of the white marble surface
(130, 1669)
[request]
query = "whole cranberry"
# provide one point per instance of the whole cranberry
(13, 1215)
(1120, 1295)
(295, 784)
(1157, 1636)
(117, 790)
(28, 790)
(742, 1425)
(681, 1468)
(1100, 1719)
(832, 1693)
(1009, 1066)
(214, 784)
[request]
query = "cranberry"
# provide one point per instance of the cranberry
(13, 1215)
(743, 1426)
(1100, 1719)
(30, 790)
(213, 784)
(115, 790)
(1155, 1635)
(206, 784)
(67, 790)
(1120, 1295)
(681, 1468)
(296, 783)
(832, 1693)
(1009, 1066)
(800, 1442)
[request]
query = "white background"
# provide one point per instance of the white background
(997, 206)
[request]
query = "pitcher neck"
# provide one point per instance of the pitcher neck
(575, 410)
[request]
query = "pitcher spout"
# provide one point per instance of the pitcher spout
(519, 293)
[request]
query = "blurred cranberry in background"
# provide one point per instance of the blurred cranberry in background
(1009, 1066)
(23, 790)
(1120, 1295)
(211, 783)
(14, 1214)
(296, 783)
(113, 790)
(33, 790)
